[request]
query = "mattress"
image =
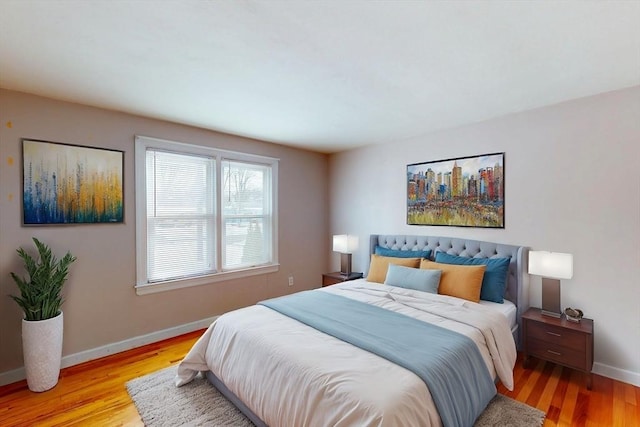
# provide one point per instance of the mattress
(290, 374)
(508, 309)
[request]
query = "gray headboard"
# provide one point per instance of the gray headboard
(518, 279)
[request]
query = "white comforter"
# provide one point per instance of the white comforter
(290, 374)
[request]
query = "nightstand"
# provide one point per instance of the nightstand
(329, 279)
(559, 341)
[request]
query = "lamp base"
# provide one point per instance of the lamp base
(551, 297)
(551, 314)
(345, 264)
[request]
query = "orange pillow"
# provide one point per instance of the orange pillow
(379, 265)
(462, 281)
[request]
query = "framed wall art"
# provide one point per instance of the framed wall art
(460, 192)
(71, 184)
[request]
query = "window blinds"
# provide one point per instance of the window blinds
(180, 215)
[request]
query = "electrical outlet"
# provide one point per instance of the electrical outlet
(290, 280)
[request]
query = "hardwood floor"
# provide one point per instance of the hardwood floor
(94, 394)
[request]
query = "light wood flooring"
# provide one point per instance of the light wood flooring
(94, 394)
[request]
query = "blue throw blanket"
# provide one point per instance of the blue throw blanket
(448, 362)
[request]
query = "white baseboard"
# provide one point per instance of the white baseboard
(623, 375)
(106, 350)
(15, 375)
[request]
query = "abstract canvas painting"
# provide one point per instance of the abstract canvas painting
(463, 192)
(71, 184)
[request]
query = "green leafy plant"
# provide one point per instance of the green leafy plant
(41, 295)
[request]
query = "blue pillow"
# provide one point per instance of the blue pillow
(379, 250)
(494, 282)
(413, 278)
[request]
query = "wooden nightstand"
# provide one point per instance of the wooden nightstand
(560, 341)
(329, 279)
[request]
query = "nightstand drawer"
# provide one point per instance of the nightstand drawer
(557, 335)
(559, 354)
(558, 340)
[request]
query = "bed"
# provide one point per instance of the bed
(283, 370)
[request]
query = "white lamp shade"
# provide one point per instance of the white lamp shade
(345, 243)
(554, 265)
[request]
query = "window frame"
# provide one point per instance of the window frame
(142, 144)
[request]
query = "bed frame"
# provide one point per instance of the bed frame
(517, 284)
(517, 281)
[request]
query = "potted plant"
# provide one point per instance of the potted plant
(41, 300)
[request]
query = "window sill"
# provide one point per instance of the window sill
(171, 285)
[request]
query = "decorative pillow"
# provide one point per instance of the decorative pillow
(494, 282)
(380, 264)
(379, 250)
(413, 278)
(462, 281)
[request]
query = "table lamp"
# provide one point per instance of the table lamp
(346, 245)
(552, 266)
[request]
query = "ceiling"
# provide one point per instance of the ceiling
(324, 75)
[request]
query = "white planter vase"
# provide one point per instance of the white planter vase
(42, 352)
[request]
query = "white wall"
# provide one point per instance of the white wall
(572, 185)
(101, 305)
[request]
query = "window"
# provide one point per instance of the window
(202, 215)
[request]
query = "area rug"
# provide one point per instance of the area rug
(160, 403)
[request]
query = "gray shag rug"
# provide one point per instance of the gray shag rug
(160, 403)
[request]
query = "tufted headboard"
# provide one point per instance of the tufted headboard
(517, 281)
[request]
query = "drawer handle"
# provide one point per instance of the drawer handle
(554, 352)
(554, 334)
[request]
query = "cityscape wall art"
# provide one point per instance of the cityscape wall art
(71, 184)
(461, 192)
